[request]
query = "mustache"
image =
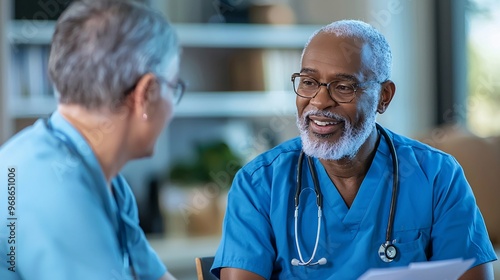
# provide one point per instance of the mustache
(321, 113)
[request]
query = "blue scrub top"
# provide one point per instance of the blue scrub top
(436, 215)
(65, 223)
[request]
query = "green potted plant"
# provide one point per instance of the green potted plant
(206, 181)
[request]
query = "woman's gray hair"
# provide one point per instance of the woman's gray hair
(101, 48)
(381, 63)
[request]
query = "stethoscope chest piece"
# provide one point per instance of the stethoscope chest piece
(387, 252)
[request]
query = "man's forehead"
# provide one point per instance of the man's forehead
(333, 43)
(330, 54)
(328, 46)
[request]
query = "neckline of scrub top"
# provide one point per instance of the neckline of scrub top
(352, 217)
(76, 143)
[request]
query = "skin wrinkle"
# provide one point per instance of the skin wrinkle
(353, 135)
(345, 143)
(347, 146)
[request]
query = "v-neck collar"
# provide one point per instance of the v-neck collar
(352, 217)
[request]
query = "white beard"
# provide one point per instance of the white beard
(346, 147)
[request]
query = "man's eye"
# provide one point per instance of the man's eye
(344, 88)
(308, 82)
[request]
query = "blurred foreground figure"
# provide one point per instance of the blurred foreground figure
(115, 66)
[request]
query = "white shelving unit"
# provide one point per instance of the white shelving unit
(236, 104)
(195, 104)
(191, 35)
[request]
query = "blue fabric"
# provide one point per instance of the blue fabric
(67, 221)
(436, 215)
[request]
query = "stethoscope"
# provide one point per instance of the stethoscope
(61, 136)
(387, 251)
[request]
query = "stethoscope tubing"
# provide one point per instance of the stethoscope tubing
(319, 203)
(388, 244)
(395, 181)
(318, 230)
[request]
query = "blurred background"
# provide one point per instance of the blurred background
(237, 59)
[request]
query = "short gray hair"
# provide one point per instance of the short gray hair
(101, 48)
(381, 63)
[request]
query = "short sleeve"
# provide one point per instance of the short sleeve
(247, 237)
(458, 226)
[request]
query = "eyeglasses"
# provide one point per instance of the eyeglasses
(340, 91)
(178, 88)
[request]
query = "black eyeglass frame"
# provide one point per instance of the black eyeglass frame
(179, 88)
(354, 86)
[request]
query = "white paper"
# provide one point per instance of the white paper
(435, 270)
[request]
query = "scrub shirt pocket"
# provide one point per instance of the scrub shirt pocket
(411, 245)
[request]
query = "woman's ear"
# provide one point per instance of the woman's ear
(143, 95)
(387, 93)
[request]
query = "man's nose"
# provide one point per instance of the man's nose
(323, 99)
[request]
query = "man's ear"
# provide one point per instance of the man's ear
(386, 95)
(143, 94)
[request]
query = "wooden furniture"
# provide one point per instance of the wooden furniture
(203, 266)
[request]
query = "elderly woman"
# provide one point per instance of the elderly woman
(115, 66)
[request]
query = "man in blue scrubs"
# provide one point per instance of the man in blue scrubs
(344, 81)
(66, 212)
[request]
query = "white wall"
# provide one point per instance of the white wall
(408, 26)
(325, 11)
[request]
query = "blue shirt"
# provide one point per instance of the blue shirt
(436, 215)
(64, 222)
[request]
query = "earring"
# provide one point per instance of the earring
(144, 116)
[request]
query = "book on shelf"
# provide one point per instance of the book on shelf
(264, 69)
(29, 73)
(278, 68)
